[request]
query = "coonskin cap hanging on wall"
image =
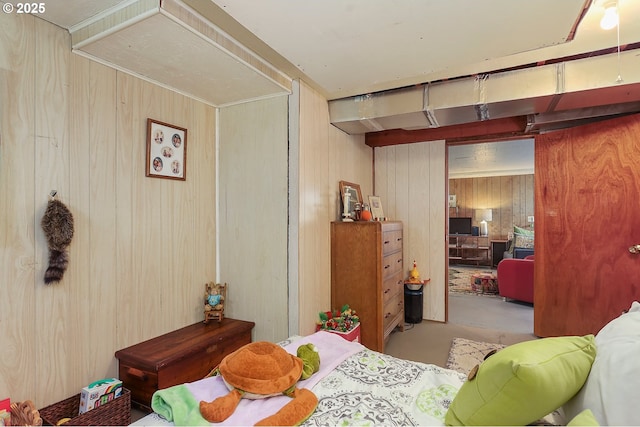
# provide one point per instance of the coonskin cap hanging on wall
(57, 224)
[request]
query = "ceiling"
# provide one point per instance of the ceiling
(504, 158)
(224, 52)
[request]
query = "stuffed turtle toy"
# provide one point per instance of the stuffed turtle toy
(260, 370)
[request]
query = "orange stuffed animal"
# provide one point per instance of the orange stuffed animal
(257, 371)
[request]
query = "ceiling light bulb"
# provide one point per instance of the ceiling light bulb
(610, 18)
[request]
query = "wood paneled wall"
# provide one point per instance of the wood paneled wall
(511, 199)
(323, 156)
(143, 247)
(411, 180)
(253, 216)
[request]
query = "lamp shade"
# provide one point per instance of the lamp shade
(484, 214)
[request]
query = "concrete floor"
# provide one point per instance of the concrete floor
(490, 312)
(474, 317)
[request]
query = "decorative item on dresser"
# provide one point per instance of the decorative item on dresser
(351, 196)
(214, 296)
(184, 355)
(367, 272)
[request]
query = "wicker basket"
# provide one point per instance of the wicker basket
(115, 413)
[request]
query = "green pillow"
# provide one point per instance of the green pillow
(524, 382)
(584, 418)
(522, 231)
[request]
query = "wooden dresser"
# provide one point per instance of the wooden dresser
(184, 355)
(367, 273)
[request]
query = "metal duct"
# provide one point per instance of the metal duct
(562, 92)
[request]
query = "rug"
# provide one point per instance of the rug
(465, 354)
(460, 281)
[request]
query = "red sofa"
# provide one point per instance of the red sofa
(515, 278)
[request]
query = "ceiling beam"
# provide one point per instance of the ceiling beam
(493, 130)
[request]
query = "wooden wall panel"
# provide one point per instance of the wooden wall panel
(143, 247)
(253, 214)
(435, 305)
(92, 194)
(410, 180)
(315, 213)
(17, 207)
(509, 197)
(54, 323)
(326, 156)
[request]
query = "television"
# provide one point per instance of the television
(460, 225)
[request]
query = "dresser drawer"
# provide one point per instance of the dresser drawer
(391, 287)
(391, 241)
(391, 310)
(391, 264)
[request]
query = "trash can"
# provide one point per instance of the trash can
(413, 295)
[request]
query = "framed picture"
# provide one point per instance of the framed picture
(355, 196)
(166, 151)
(354, 191)
(452, 201)
(376, 207)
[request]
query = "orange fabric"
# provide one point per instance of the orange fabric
(221, 408)
(294, 412)
(261, 368)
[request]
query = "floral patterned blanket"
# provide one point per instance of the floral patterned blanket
(371, 388)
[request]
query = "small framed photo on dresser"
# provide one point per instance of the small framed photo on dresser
(376, 208)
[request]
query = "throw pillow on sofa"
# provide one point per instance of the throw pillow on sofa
(523, 238)
(522, 231)
(523, 242)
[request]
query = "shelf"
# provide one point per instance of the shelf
(468, 248)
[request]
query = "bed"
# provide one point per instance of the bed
(579, 380)
(355, 385)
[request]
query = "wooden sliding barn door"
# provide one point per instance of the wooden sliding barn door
(587, 216)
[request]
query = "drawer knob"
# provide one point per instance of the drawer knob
(137, 373)
(387, 266)
(386, 291)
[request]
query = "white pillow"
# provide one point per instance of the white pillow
(610, 391)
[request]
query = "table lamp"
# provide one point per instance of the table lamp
(485, 215)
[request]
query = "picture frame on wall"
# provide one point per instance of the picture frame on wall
(166, 151)
(376, 207)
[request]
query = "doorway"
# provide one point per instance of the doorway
(494, 177)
